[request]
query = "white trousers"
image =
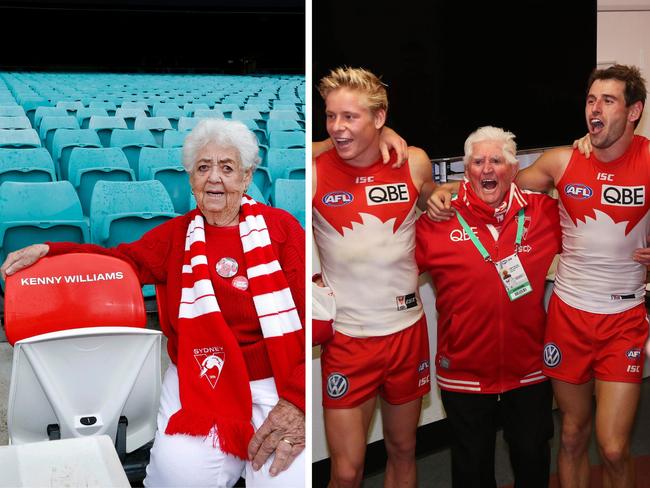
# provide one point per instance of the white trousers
(181, 460)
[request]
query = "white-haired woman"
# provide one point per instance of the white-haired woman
(232, 400)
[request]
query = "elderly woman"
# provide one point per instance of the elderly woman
(233, 397)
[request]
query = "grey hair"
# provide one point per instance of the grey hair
(231, 133)
(489, 133)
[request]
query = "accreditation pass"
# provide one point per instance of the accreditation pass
(514, 277)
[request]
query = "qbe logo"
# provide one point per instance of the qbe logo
(385, 194)
(552, 355)
(623, 196)
(338, 198)
(337, 385)
(578, 191)
(460, 235)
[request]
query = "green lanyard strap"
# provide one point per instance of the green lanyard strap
(477, 243)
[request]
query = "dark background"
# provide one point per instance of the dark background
(214, 36)
(453, 66)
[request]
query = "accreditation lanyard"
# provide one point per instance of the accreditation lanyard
(511, 271)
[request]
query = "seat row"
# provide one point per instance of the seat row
(120, 211)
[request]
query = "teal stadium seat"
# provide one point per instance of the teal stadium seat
(70, 106)
(281, 162)
(173, 138)
(129, 115)
(132, 142)
(215, 113)
(17, 122)
(170, 111)
(165, 166)
(45, 112)
(12, 111)
(286, 139)
(290, 196)
(84, 114)
(87, 166)
(110, 107)
(104, 127)
(157, 126)
(283, 124)
(255, 193)
(186, 124)
(136, 104)
(50, 123)
(246, 115)
(31, 103)
(65, 140)
(225, 108)
(19, 138)
(260, 133)
(284, 115)
(279, 105)
(190, 108)
(123, 211)
(37, 212)
(262, 179)
(31, 165)
(256, 105)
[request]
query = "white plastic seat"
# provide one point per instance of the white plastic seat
(84, 380)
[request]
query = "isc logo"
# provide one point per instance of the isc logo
(623, 196)
(383, 194)
(337, 198)
(578, 191)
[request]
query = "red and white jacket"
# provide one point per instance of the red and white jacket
(486, 343)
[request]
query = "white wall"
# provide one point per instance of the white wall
(623, 37)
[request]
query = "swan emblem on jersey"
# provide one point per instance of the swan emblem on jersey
(210, 361)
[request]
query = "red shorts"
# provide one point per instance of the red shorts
(395, 366)
(581, 345)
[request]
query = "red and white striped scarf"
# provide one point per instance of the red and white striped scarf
(213, 379)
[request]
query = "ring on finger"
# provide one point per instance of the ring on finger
(287, 441)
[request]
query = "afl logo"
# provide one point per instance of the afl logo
(634, 354)
(578, 191)
(552, 355)
(337, 198)
(337, 385)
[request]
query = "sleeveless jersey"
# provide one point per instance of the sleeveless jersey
(364, 227)
(604, 218)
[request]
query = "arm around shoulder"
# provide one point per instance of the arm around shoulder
(421, 174)
(546, 171)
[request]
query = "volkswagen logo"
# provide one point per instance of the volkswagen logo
(552, 355)
(337, 385)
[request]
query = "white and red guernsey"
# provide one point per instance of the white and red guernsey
(364, 227)
(604, 217)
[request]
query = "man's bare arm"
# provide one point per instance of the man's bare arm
(546, 171)
(421, 174)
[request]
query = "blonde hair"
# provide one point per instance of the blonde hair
(357, 79)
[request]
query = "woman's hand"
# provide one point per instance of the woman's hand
(283, 432)
(22, 258)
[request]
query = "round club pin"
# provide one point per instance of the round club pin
(240, 282)
(227, 267)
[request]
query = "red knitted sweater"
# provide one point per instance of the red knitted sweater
(157, 257)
